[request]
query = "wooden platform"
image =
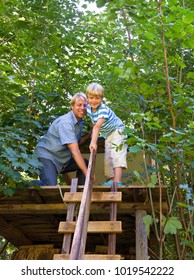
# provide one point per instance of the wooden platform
(32, 216)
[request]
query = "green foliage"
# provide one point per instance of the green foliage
(6, 249)
(171, 225)
(17, 163)
(50, 50)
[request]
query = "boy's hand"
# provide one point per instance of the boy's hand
(93, 146)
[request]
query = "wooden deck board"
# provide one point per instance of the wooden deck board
(88, 257)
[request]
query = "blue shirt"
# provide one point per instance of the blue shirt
(53, 145)
(111, 123)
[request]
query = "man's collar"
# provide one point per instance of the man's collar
(74, 118)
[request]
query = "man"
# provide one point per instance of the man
(58, 150)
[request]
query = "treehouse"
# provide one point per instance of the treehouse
(83, 222)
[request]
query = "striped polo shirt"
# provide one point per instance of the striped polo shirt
(111, 123)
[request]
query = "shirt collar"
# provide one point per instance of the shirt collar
(74, 118)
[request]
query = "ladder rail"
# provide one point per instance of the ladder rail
(70, 214)
(80, 234)
(113, 217)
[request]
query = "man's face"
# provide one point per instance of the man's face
(79, 108)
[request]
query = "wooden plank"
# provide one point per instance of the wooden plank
(96, 187)
(141, 236)
(80, 235)
(33, 209)
(101, 249)
(61, 208)
(70, 215)
(51, 194)
(93, 227)
(113, 217)
(45, 246)
(95, 197)
(88, 257)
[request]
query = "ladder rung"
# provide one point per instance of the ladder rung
(93, 227)
(96, 197)
(88, 257)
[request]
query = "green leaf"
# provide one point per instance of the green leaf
(11, 152)
(137, 174)
(149, 35)
(188, 18)
(151, 185)
(188, 243)
(181, 204)
(9, 191)
(172, 225)
(134, 149)
(148, 221)
(190, 75)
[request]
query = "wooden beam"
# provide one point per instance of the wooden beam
(88, 257)
(95, 197)
(13, 234)
(31, 209)
(93, 227)
(61, 208)
(127, 207)
(141, 236)
(97, 187)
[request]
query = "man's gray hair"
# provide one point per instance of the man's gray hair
(77, 96)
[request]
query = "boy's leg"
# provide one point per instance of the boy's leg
(119, 157)
(118, 174)
(108, 166)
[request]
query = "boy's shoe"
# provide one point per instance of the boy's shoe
(109, 183)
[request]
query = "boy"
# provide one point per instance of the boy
(110, 127)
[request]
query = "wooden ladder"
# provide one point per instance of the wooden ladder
(73, 247)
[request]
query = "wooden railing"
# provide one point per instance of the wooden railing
(80, 234)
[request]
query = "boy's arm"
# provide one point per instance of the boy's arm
(95, 133)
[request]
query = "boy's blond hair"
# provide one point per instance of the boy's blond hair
(95, 89)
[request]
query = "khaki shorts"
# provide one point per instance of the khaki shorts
(114, 157)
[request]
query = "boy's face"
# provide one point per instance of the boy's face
(79, 108)
(94, 101)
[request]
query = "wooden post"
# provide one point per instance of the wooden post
(70, 214)
(141, 236)
(113, 217)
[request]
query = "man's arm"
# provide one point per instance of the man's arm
(74, 148)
